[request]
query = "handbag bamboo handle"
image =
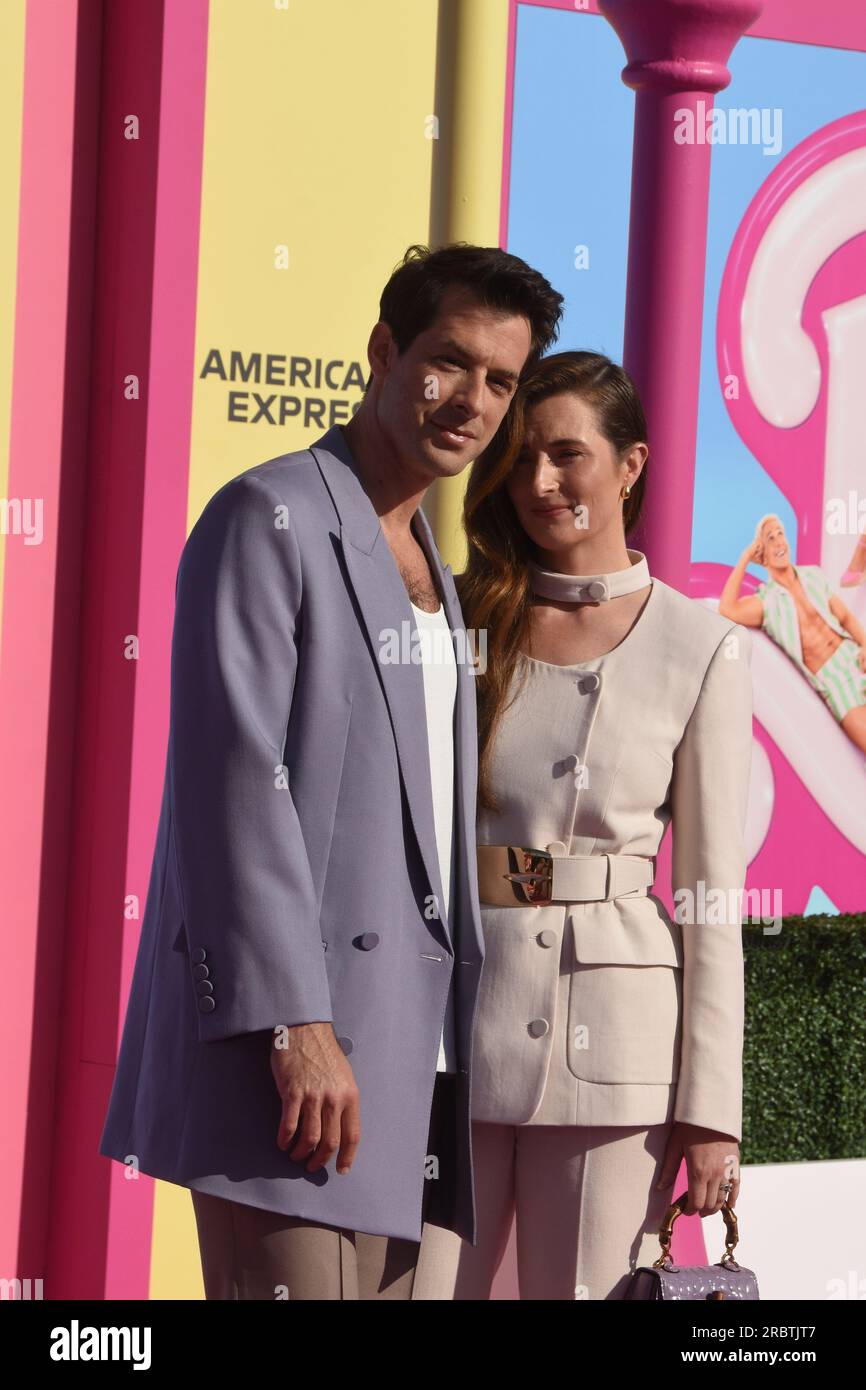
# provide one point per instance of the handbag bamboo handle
(676, 1209)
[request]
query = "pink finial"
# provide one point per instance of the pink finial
(679, 45)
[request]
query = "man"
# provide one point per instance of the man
(797, 608)
(311, 925)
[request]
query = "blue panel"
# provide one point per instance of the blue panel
(571, 167)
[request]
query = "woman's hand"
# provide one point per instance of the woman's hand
(711, 1160)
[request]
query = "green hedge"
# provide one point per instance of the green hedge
(804, 1056)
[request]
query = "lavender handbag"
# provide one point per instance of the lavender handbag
(667, 1282)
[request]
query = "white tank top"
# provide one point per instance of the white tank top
(440, 692)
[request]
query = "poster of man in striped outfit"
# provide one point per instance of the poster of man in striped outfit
(797, 608)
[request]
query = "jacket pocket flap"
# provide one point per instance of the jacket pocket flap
(621, 933)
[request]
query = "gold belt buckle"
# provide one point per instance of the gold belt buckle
(532, 878)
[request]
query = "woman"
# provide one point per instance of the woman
(608, 1037)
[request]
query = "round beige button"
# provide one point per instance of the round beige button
(538, 1027)
(556, 846)
(596, 589)
(591, 681)
(546, 937)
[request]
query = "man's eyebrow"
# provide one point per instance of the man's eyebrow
(450, 345)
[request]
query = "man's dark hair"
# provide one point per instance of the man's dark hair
(410, 300)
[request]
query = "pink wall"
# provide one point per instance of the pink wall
(107, 288)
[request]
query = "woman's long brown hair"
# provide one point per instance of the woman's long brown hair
(494, 588)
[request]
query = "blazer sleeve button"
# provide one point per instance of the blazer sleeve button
(206, 1004)
(200, 972)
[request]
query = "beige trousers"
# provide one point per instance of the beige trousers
(586, 1209)
(249, 1253)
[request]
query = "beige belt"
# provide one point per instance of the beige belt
(514, 876)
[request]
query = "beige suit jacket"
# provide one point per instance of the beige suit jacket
(644, 1013)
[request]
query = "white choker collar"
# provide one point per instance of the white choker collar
(590, 588)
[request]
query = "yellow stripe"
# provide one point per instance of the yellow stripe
(175, 1267)
(472, 187)
(317, 148)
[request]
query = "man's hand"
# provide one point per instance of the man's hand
(321, 1103)
(711, 1158)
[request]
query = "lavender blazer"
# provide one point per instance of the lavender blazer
(295, 874)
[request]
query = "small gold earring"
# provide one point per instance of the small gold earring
(626, 492)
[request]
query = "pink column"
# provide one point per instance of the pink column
(106, 288)
(41, 597)
(146, 215)
(677, 51)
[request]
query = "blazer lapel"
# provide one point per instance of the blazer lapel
(465, 746)
(387, 616)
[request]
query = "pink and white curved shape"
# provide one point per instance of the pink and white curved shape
(792, 332)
